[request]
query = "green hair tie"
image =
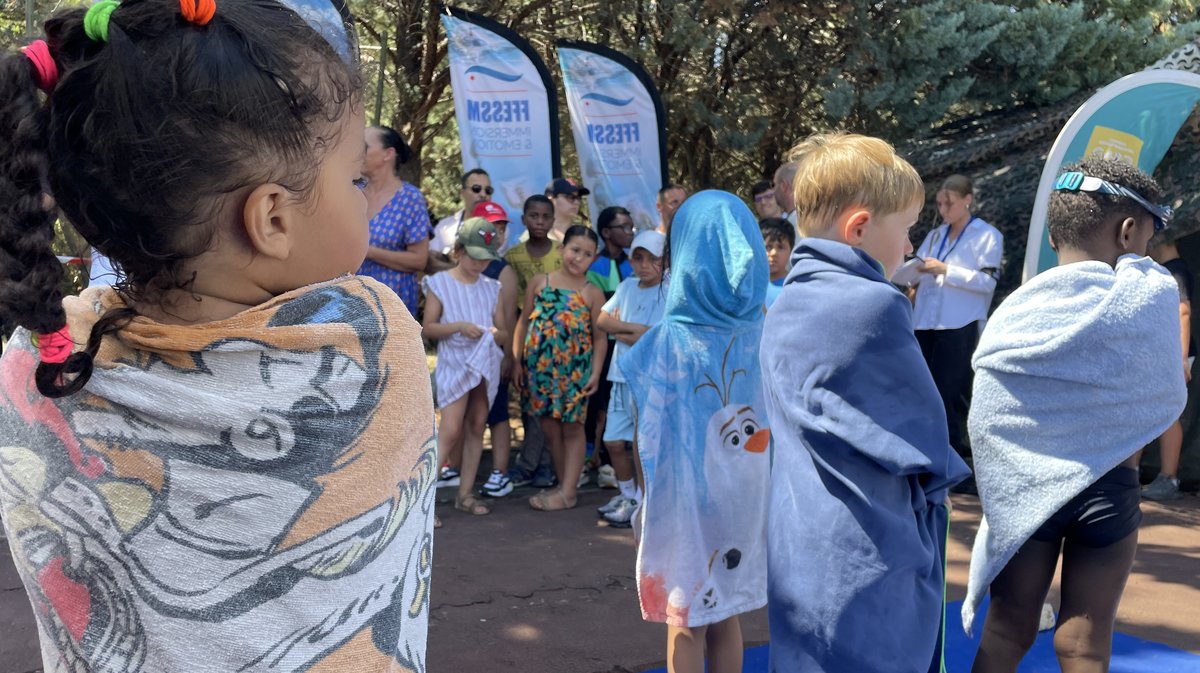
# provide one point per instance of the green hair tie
(95, 22)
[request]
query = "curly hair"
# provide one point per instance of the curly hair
(149, 142)
(1075, 218)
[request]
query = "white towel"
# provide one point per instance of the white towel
(1076, 370)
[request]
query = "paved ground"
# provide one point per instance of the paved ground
(538, 592)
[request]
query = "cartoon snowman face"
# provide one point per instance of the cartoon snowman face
(734, 434)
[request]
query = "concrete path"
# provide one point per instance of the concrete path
(534, 592)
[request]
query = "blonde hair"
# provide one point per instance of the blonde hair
(841, 170)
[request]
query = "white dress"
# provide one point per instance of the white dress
(463, 362)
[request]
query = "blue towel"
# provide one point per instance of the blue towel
(862, 467)
(701, 437)
(1076, 370)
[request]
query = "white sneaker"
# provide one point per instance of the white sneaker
(498, 485)
(622, 516)
(584, 478)
(611, 505)
(606, 477)
(448, 477)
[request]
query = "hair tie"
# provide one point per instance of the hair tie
(95, 22)
(38, 53)
(55, 347)
(198, 12)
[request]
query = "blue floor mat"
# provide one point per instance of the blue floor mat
(1130, 655)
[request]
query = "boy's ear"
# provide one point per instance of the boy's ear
(267, 218)
(1126, 233)
(852, 225)
(1053, 245)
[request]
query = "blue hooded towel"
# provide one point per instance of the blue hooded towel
(862, 467)
(701, 436)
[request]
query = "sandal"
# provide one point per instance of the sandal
(471, 505)
(554, 501)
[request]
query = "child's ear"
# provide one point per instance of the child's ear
(853, 224)
(1127, 233)
(267, 218)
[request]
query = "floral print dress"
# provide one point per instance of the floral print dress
(558, 354)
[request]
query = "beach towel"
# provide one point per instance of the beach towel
(1076, 370)
(703, 443)
(250, 494)
(862, 467)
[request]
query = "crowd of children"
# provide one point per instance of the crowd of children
(237, 441)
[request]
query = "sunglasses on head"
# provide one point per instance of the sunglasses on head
(480, 188)
(1076, 181)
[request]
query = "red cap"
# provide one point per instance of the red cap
(490, 211)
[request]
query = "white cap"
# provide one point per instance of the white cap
(650, 241)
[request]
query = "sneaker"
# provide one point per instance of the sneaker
(448, 477)
(584, 477)
(498, 485)
(611, 505)
(519, 477)
(606, 477)
(1163, 488)
(622, 516)
(544, 478)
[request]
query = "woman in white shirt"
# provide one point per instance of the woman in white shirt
(962, 262)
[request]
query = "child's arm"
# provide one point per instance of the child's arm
(518, 367)
(410, 260)
(611, 322)
(1185, 331)
(599, 341)
(500, 330)
(436, 331)
(508, 304)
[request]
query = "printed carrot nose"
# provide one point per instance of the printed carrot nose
(758, 441)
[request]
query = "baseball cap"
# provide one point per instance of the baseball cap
(651, 241)
(560, 186)
(491, 211)
(479, 238)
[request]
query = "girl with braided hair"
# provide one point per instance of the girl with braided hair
(209, 466)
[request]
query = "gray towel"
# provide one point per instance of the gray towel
(1076, 370)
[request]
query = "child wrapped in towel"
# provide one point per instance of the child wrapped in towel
(1075, 372)
(857, 520)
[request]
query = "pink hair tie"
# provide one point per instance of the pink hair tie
(38, 53)
(55, 347)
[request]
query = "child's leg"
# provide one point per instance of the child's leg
(1093, 580)
(1169, 446)
(476, 419)
(501, 445)
(450, 431)
(1018, 592)
(685, 649)
(621, 463)
(574, 450)
(724, 640)
(552, 430)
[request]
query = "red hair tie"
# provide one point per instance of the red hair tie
(38, 53)
(198, 12)
(55, 347)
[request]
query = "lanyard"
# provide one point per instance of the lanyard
(954, 245)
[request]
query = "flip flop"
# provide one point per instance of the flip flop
(471, 505)
(544, 502)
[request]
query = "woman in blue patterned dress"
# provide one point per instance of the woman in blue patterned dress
(399, 217)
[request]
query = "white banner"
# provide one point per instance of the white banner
(619, 127)
(506, 107)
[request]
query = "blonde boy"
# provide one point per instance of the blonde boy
(862, 456)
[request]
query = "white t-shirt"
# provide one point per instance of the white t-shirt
(641, 305)
(963, 294)
(444, 233)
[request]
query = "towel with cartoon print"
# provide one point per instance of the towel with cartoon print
(250, 494)
(703, 446)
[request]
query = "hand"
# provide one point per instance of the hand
(637, 330)
(625, 338)
(470, 331)
(592, 386)
(518, 375)
(506, 369)
(933, 265)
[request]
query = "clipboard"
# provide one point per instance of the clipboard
(909, 273)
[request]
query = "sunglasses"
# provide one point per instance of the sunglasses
(480, 188)
(1076, 181)
(764, 197)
